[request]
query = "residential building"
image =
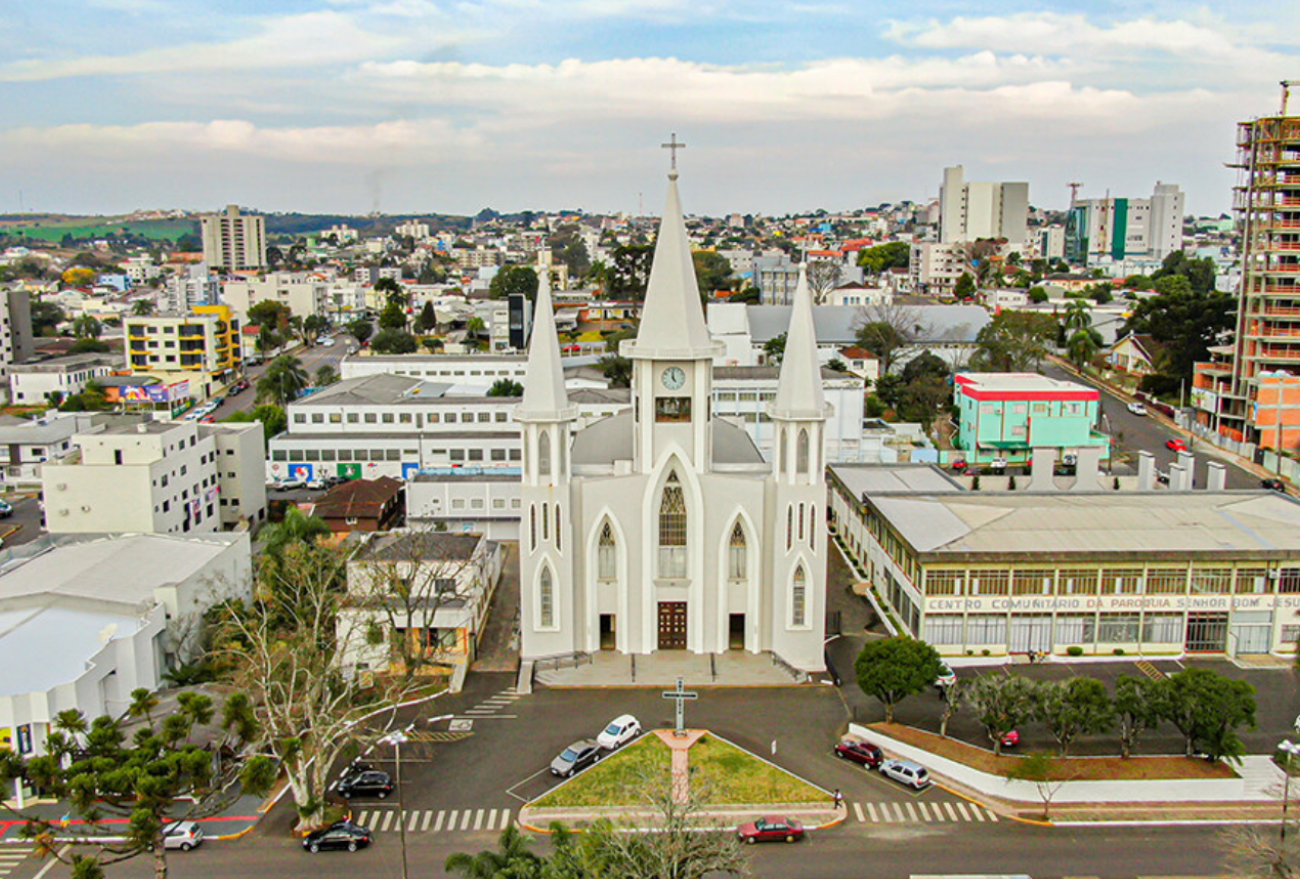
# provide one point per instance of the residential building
(90, 618)
(1125, 228)
(1252, 395)
(1148, 573)
(158, 477)
(26, 444)
(857, 295)
(777, 276)
(370, 274)
(340, 232)
(413, 229)
(450, 579)
(1051, 242)
(861, 362)
(483, 502)
(202, 347)
(16, 341)
(233, 242)
(934, 266)
(43, 381)
(452, 369)
(362, 505)
(141, 269)
(742, 395)
(303, 293)
(1007, 415)
(971, 211)
(192, 287)
(1136, 354)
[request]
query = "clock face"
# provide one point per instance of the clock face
(673, 378)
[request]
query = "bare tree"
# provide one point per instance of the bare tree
(823, 276)
(952, 699)
(1045, 773)
(890, 331)
(1256, 852)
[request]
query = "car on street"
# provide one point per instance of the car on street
(208, 419)
(341, 835)
(1011, 739)
(325, 342)
(619, 732)
(369, 782)
(856, 751)
(1175, 445)
(290, 484)
(1273, 484)
(184, 835)
(946, 677)
(576, 758)
(1137, 408)
(6, 509)
(331, 481)
(907, 772)
(773, 828)
(998, 464)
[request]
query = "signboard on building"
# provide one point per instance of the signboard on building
(1104, 603)
(25, 738)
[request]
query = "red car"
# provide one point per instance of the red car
(1175, 445)
(774, 828)
(860, 752)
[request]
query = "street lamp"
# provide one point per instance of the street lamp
(397, 739)
(1291, 750)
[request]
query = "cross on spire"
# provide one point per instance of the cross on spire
(673, 146)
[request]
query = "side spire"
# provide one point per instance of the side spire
(799, 391)
(545, 398)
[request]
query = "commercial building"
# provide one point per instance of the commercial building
(1125, 228)
(1250, 392)
(301, 292)
(971, 211)
(26, 444)
(479, 501)
(1150, 573)
(86, 619)
(1006, 415)
(233, 242)
(158, 477)
(43, 381)
(202, 347)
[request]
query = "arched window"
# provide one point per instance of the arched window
(672, 531)
(799, 599)
(546, 521)
(789, 526)
(558, 532)
(607, 554)
(801, 452)
(801, 523)
(812, 526)
(737, 554)
(546, 600)
(544, 453)
(532, 527)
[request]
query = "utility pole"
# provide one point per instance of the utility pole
(396, 739)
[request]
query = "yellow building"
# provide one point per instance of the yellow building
(201, 347)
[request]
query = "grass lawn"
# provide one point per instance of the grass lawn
(725, 775)
(1074, 769)
(617, 780)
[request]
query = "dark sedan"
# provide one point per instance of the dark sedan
(1274, 484)
(576, 758)
(770, 829)
(369, 783)
(343, 835)
(860, 752)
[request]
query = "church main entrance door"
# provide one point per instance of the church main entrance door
(672, 625)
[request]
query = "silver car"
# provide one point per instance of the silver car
(907, 772)
(183, 835)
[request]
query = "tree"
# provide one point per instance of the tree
(1041, 771)
(393, 317)
(1074, 707)
(628, 275)
(1000, 704)
(1037, 295)
(46, 317)
(712, 272)
(1081, 346)
(1013, 341)
(1257, 852)
(965, 286)
(892, 669)
(296, 527)
(267, 339)
(89, 346)
(1187, 323)
(1078, 315)
(79, 277)
(952, 696)
(511, 280)
(282, 382)
(393, 292)
(143, 307)
(269, 313)
(1208, 708)
(325, 376)
(511, 858)
(888, 331)
(617, 369)
(1198, 273)
(823, 276)
(427, 321)
(774, 350)
(313, 325)
(360, 329)
(882, 257)
(506, 387)
(1139, 704)
(394, 342)
(273, 418)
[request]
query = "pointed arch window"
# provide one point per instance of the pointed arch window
(546, 600)
(799, 598)
(672, 530)
(812, 526)
(789, 527)
(546, 521)
(544, 453)
(737, 554)
(532, 527)
(558, 532)
(801, 453)
(801, 523)
(607, 554)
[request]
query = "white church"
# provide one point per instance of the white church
(662, 528)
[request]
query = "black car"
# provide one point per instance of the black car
(344, 834)
(1273, 485)
(370, 782)
(576, 758)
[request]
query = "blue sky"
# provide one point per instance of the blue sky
(433, 105)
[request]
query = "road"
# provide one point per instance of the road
(1136, 432)
(25, 524)
(312, 359)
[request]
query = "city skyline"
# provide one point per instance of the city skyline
(405, 106)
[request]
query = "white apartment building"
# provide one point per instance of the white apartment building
(413, 229)
(140, 269)
(39, 381)
(157, 477)
(476, 258)
(370, 274)
(194, 287)
(473, 370)
(970, 211)
(482, 503)
(303, 292)
(1051, 243)
(233, 242)
(741, 394)
(26, 444)
(1126, 228)
(341, 232)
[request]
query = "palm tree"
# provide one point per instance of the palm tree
(283, 381)
(142, 307)
(1081, 346)
(1078, 315)
(297, 527)
(511, 859)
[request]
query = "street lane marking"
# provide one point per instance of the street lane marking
(361, 819)
(993, 816)
(961, 807)
(505, 818)
(858, 811)
(438, 824)
(388, 819)
(911, 813)
(464, 821)
(951, 813)
(451, 820)
(415, 818)
(428, 816)
(478, 820)
(898, 812)
(925, 813)
(979, 812)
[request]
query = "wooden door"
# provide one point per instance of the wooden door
(672, 625)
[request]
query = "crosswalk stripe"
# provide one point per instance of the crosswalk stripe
(388, 819)
(898, 812)
(438, 824)
(415, 819)
(911, 813)
(428, 816)
(961, 807)
(492, 820)
(505, 818)
(478, 820)
(951, 814)
(464, 821)
(925, 813)
(979, 813)
(993, 816)
(857, 809)
(361, 819)
(871, 810)
(451, 820)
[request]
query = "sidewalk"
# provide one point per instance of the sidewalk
(233, 822)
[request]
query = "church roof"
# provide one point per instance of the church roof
(610, 440)
(544, 396)
(799, 390)
(672, 320)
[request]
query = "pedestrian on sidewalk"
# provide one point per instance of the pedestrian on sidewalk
(839, 799)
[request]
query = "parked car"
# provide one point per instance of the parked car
(6, 509)
(860, 752)
(1011, 739)
(343, 834)
(318, 483)
(325, 341)
(290, 484)
(208, 419)
(331, 481)
(184, 835)
(1271, 484)
(576, 758)
(946, 677)
(998, 464)
(774, 828)
(1137, 408)
(369, 782)
(959, 465)
(906, 772)
(1175, 445)
(621, 730)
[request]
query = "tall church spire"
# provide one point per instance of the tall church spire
(672, 320)
(545, 398)
(799, 392)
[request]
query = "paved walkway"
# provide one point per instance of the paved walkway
(498, 649)
(609, 668)
(234, 821)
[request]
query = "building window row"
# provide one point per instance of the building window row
(1215, 580)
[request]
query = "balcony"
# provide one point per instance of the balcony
(1270, 352)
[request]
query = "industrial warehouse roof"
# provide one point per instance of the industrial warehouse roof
(380, 389)
(838, 324)
(887, 478)
(1227, 524)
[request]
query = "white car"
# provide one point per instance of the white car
(619, 732)
(1137, 408)
(946, 676)
(906, 772)
(325, 342)
(183, 835)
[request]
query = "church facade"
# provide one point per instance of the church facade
(662, 528)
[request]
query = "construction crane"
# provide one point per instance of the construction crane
(1074, 192)
(1286, 93)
